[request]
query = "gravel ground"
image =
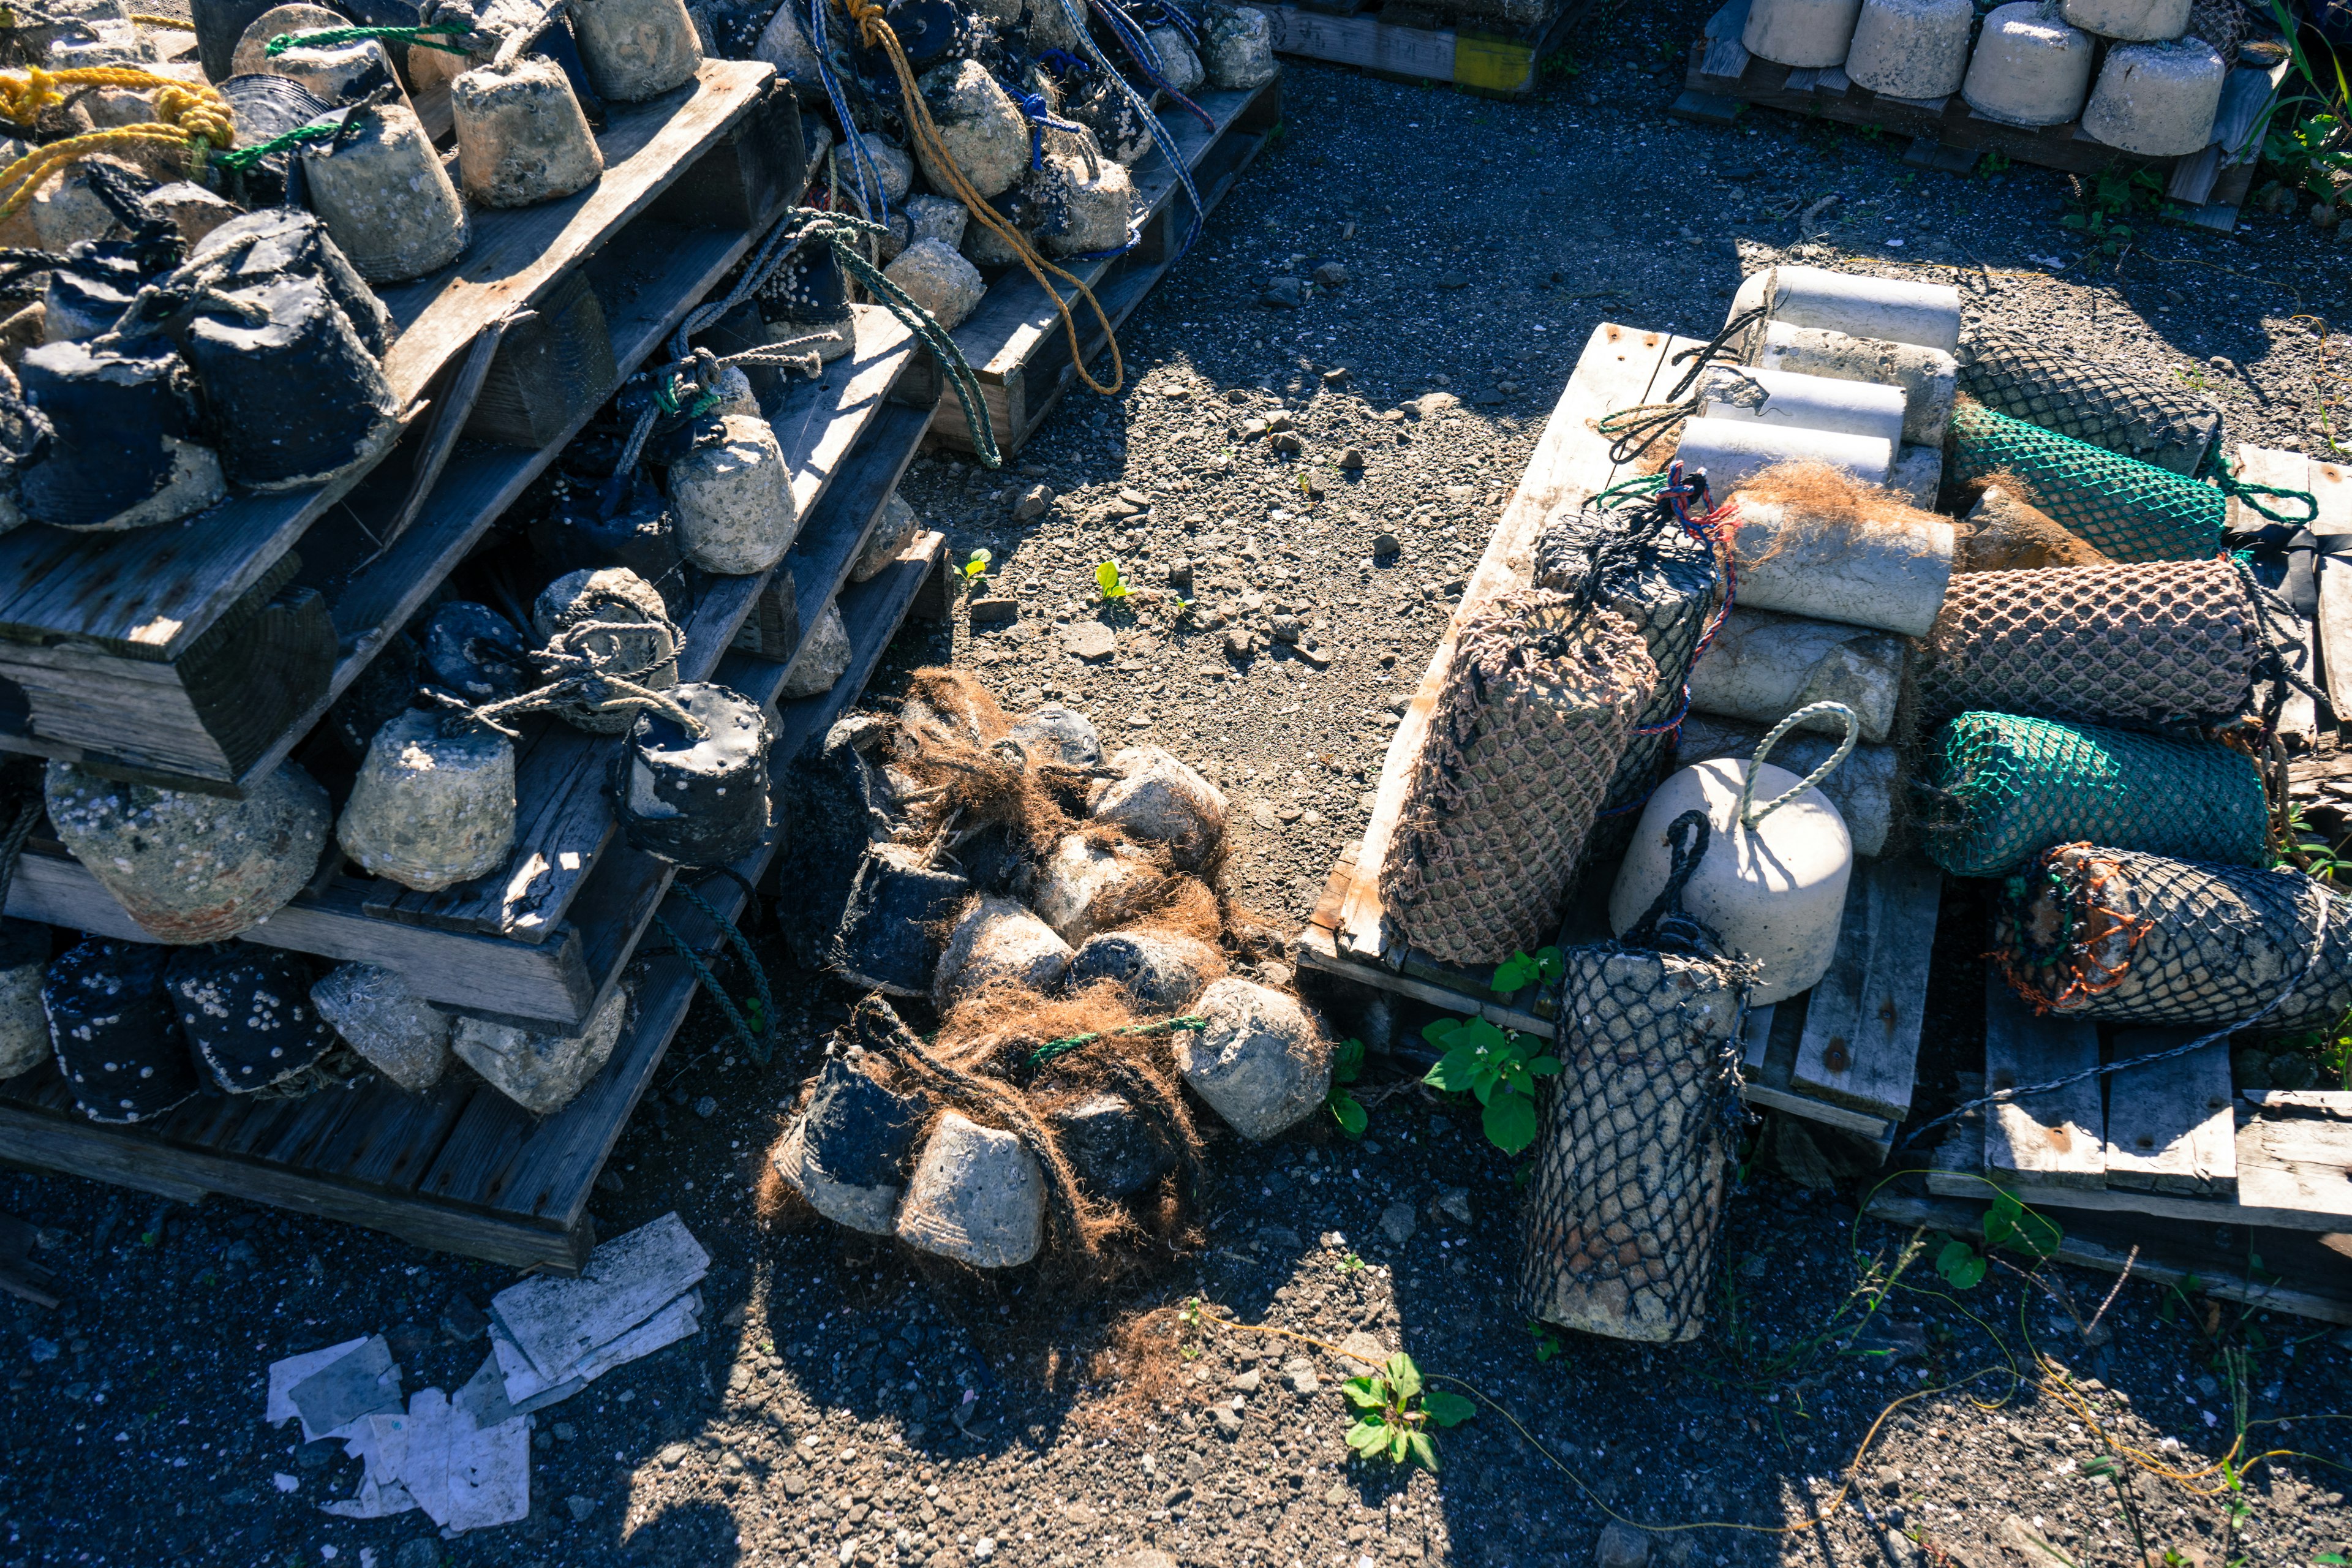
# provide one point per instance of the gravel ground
(845, 1408)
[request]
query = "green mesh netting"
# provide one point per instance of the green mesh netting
(2011, 786)
(2169, 427)
(2131, 510)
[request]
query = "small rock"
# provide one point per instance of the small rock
(1289, 814)
(1622, 1546)
(1351, 457)
(1032, 503)
(705, 1108)
(1245, 1381)
(1089, 639)
(1363, 1354)
(1135, 498)
(1336, 376)
(1285, 294)
(1890, 1480)
(610, 1182)
(1262, 812)
(1507, 388)
(1299, 1372)
(1453, 281)
(995, 612)
(1386, 544)
(1240, 644)
(1286, 442)
(1397, 1224)
(464, 1321)
(1339, 1496)
(420, 1553)
(1144, 1557)
(1228, 1418)
(673, 1455)
(1331, 275)
(1288, 628)
(581, 1507)
(2223, 364)
(1317, 658)
(1453, 1203)
(1179, 574)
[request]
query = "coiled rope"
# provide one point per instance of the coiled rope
(188, 116)
(2226, 480)
(1634, 431)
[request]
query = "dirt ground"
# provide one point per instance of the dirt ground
(844, 1408)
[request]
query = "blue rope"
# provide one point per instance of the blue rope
(1134, 238)
(1147, 59)
(1040, 119)
(1166, 143)
(871, 198)
(1062, 61)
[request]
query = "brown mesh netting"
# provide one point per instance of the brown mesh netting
(2150, 643)
(1531, 724)
(2108, 407)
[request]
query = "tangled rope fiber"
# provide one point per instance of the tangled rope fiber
(188, 116)
(582, 672)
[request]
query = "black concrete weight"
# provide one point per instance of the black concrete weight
(126, 427)
(476, 654)
(287, 242)
(890, 935)
(117, 1038)
(295, 398)
(247, 1011)
(695, 800)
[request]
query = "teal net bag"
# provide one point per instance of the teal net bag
(2131, 510)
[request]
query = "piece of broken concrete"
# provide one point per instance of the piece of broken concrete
(977, 1196)
(1159, 800)
(996, 941)
(1156, 970)
(1262, 1064)
(1077, 890)
(542, 1071)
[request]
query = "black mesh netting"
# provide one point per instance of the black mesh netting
(2131, 510)
(2165, 427)
(2095, 932)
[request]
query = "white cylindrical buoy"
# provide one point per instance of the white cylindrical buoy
(1771, 868)
(384, 197)
(1761, 667)
(1930, 378)
(2030, 68)
(636, 49)
(401, 1034)
(2158, 99)
(1731, 450)
(1925, 314)
(522, 136)
(2130, 21)
(734, 500)
(1919, 476)
(1858, 571)
(1807, 34)
(1911, 48)
(434, 803)
(1863, 788)
(1791, 400)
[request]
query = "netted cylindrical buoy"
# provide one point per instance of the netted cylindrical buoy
(849, 1150)
(522, 136)
(1634, 1146)
(2089, 932)
(2003, 533)
(543, 1070)
(1911, 48)
(434, 803)
(1866, 788)
(636, 49)
(24, 1027)
(1809, 34)
(1761, 667)
(995, 942)
(1927, 377)
(978, 127)
(247, 1012)
(192, 867)
(894, 928)
(1888, 571)
(2030, 68)
(1730, 451)
(635, 639)
(1771, 881)
(977, 1196)
(1531, 721)
(2104, 404)
(695, 800)
(1180, 67)
(734, 499)
(122, 452)
(1237, 50)
(2129, 510)
(297, 399)
(386, 198)
(1789, 400)
(116, 1034)
(2163, 642)
(397, 1032)
(1927, 314)
(1157, 799)
(2009, 786)
(2131, 21)
(940, 281)
(2156, 100)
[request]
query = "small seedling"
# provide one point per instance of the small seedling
(976, 569)
(1394, 1414)
(1520, 968)
(1349, 1265)
(1547, 1343)
(2007, 1224)
(1112, 581)
(1347, 1066)
(754, 1015)
(1498, 1070)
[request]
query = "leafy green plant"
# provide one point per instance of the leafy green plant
(1521, 969)
(1351, 1264)
(2298, 845)
(1347, 1066)
(1995, 162)
(2107, 199)
(1547, 1343)
(1112, 581)
(976, 568)
(2008, 1224)
(1394, 1413)
(1498, 1070)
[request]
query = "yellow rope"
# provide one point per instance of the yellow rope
(188, 115)
(173, 23)
(874, 30)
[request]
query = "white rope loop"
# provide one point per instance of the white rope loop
(1749, 815)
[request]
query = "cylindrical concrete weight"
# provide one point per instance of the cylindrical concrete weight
(341, 73)
(1862, 788)
(521, 137)
(249, 54)
(115, 1032)
(295, 395)
(476, 654)
(431, 809)
(978, 127)
(1911, 48)
(1927, 314)
(192, 867)
(247, 1015)
(696, 800)
(2158, 99)
(2131, 21)
(1809, 34)
(2030, 68)
(1791, 400)
(1857, 571)
(24, 1027)
(1731, 450)
(1236, 49)
(640, 534)
(734, 500)
(401, 1036)
(636, 49)
(1929, 377)
(1762, 667)
(386, 198)
(644, 652)
(121, 452)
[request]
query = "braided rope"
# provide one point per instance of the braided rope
(12, 844)
(702, 972)
(1146, 57)
(439, 36)
(1159, 137)
(1194, 1022)
(189, 116)
(733, 937)
(169, 24)
(588, 675)
(872, 199)
(2225, 479)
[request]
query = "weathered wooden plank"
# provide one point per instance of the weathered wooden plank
(2168, 1123)
(1860, 1046)
(2055, 1138)
(1363, 41)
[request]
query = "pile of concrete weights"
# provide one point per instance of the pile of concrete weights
(1055, 912)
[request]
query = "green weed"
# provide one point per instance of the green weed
(1112, 581)
(2008, 1224)
(1498, 1070)
(1347, 1066)
(976, 569)
(1521, 969)
(1394, 1413)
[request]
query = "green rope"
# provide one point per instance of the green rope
(924, 326)
(430, 36)
(1647, 484)
(751, 1042)
(735, 940)
(2230, 485)
(241, 158)
(1046, 1053)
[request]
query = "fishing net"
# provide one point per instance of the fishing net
(2148, 644)
(2222, 24)
(2094, 933)
(2131, 510)
(1538, 705)
(2009, 786)
(2107, 407)
(1625, 1208)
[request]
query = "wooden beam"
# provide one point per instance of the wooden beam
(2057, 1139)
(2168, 1123)
(1860, 1046)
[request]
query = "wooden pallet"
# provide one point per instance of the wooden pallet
(106, 656)
(461, 1168)
(1945, 133)
(1015, 342)
(1487, 58)
(2330, 485)
(544, 942)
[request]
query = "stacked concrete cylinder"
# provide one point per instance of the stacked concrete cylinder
(1911, 48)
(2030, 68)
(1808, 35)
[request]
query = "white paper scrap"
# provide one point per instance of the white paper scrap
(556, 1322)
(527, 1390)
(463, 1476)
(285, 1374)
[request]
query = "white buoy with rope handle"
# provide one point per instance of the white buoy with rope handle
(1771, 880)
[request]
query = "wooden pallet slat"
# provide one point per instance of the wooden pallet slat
(2168, 1123)
(1485, 56)
(2054, 1139)
(1861, 1045)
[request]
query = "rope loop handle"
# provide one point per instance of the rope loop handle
(1748, 815)
(2226, 480)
